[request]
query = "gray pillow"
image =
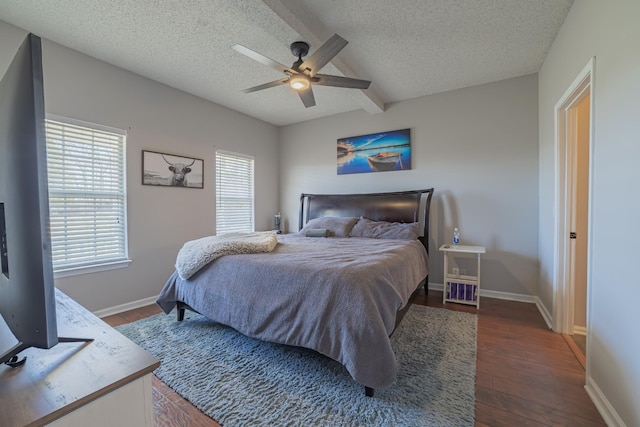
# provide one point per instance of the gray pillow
(385, 230)
(336, 226)
(317, 232)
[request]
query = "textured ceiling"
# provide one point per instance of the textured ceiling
(407, 48)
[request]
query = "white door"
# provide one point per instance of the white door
(580, 214)
(574, 135)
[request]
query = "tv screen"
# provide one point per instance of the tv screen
(27, 293)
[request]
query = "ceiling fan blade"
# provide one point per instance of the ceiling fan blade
(260, 58)
(307, 97)
(323, 54)
(338, 81)
(266, 85)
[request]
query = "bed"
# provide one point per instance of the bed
(341, 296)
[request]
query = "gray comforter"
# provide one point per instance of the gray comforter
(337, 296)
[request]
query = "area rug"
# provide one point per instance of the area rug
(240, 381)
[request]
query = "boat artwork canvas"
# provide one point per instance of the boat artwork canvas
(376, 152)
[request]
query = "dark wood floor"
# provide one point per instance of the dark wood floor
(581, 342)
(526, 374)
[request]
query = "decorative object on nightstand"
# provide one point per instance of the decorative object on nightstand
(461, 288)
(276, 223)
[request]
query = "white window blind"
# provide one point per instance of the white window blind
(234, 192)
(87, 197)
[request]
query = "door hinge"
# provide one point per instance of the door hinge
(573, 235)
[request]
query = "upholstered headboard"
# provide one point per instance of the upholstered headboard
(399, 206)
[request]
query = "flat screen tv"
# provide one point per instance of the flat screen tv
(27, 292)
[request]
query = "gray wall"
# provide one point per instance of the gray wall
(608, 31)
(156, 117)
(478, 147)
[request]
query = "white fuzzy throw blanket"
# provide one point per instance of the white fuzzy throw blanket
(195, 254)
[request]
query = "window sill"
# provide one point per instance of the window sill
(88, 269)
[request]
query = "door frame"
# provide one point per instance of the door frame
(563, 309)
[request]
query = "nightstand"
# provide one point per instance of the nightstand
(461, 288)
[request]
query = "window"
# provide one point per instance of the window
(234, 192)
(87, 197)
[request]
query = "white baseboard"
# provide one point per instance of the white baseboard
(510, 297)
(580, 330)
(545, 313)
(125, 307)
(608, 413)
(492, 294)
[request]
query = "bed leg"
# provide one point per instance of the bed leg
(180, 314)
(368, 391)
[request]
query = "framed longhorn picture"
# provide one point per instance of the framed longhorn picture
(171, 170)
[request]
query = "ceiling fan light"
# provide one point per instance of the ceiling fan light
(299, 83)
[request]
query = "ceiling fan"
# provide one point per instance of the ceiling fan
(304, 73)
